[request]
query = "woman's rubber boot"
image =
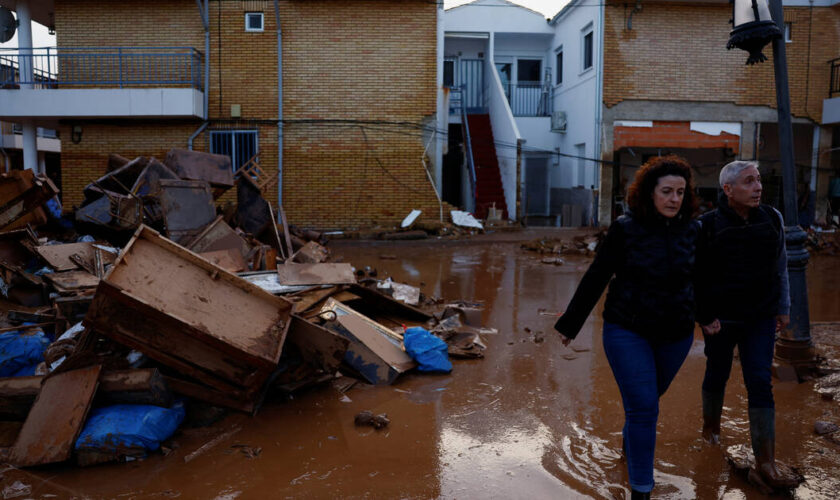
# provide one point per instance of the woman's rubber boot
(712, 409)
(638, 495)
(763, 435)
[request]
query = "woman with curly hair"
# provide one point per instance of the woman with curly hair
(649, 311)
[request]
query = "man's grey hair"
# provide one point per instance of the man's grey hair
(729, 173)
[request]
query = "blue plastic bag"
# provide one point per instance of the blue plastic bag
(118, 427)
(21, 352)
(429, 351)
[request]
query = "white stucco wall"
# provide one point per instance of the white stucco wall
(577, 95)
(486, 15)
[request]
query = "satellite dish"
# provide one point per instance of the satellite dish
(8, 25)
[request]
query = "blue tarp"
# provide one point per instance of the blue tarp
(111, 429)
(21, 352)
(429, 351)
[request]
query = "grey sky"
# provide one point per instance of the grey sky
(545, 7)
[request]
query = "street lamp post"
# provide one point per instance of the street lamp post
(755, 23)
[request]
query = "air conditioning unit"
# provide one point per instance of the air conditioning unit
(558, 121)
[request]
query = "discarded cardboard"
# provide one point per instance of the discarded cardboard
(189, 314)
(56, 418)
(200, 166)
(21, 195)
(371, 353)
(315, 274)
(187, 207)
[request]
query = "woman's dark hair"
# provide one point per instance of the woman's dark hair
(640, 193)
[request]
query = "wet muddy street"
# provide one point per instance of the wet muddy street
(533, 419)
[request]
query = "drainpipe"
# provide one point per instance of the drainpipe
(441, 123)
(279, 105)
(599, 103)
(204, 11)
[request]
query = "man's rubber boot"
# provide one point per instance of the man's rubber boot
(638, 495)
(712, 409)
(763, 436)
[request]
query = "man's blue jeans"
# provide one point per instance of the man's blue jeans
(643, 370)
(756, 341)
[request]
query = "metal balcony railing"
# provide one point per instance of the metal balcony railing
(528, 99)
(834, 84)
(73, 67)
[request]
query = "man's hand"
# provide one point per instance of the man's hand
(782, 321)
(712, 328)
(566, 340)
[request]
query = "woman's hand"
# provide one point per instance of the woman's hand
(712, 328)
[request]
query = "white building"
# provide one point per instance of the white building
(537, 82)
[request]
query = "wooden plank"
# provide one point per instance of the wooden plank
(218, 304)
(344, 310)
(56, 418)
(58, 256)
(315, 274)
(210, 395)
(197, 165)
(319, 346)
(72, 280)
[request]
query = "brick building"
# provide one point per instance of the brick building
(339, 99)
(671, 87)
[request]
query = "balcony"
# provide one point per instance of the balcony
(528, 99)
(101, 82)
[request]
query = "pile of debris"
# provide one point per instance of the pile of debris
(823, 241)
(461, 224)
(173, 304)
(582, 244)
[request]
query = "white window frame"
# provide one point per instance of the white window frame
(588, 29)
(248, 25)
(788, 32)
(558, 71)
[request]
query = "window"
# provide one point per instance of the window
(528, 70)
(788, 32)
(239, 145)
(449, 73)
(254, 21)
(587, 46)
(559, 61)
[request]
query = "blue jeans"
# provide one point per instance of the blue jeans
(756, 341)
(643, 371)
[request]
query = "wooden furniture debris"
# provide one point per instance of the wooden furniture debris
(319, 346)
(374, 351)
(187, 207)
(315, 274)
(199, 166)
(69, 281)
(56, 418)
(191, 315)
(311, 253)
(218, 235)
(22, 194)
(59, 256)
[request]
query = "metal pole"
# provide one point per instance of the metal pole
(794, 346)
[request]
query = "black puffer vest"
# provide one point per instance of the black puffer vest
(652, 293)
(742, 256)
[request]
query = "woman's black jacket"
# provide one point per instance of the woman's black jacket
(652, 292)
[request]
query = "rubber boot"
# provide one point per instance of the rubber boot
(638, 495)
(712, 409)
(763, 436)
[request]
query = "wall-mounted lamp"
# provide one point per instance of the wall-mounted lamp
(76, 134)
(752, 28)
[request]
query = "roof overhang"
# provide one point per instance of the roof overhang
(40, 10)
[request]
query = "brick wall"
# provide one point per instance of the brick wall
(348, 67)
(677, 52)
(672, 135)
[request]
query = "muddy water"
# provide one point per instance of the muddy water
(534, 419)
